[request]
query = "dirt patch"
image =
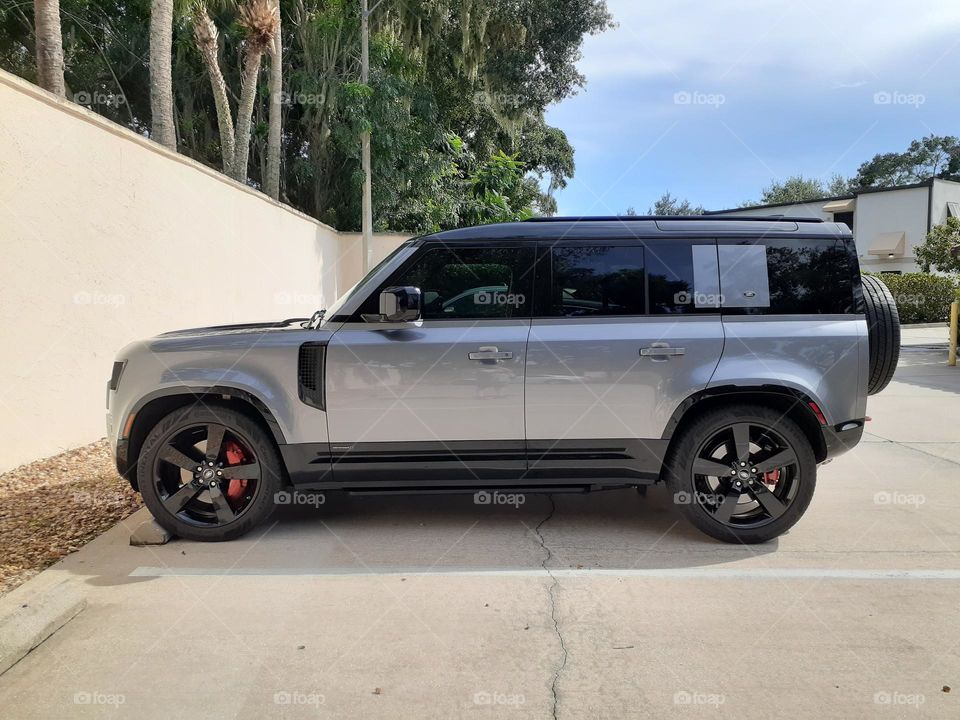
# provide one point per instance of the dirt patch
(52, 507)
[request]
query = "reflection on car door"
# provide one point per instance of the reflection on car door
(423, 400)
(624, 333)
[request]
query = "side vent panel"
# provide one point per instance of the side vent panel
(311, 367)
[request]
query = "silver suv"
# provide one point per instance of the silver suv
(724, 357)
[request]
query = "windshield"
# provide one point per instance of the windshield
(341, 301)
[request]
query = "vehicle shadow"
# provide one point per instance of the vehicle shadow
(617, 529)
(346, 535)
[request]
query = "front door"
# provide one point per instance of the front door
(623, 333)
(440, 399)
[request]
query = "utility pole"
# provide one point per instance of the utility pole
(367, 210)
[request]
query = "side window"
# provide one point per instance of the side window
(682, 277)
(472, 283)
(596, 280)
(783, 276)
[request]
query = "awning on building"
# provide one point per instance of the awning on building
(890, 243)
(840, 206)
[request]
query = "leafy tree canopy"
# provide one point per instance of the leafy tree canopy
(669, 205)
(941, 248)
(455, 102)
(930, 157)
(798, 188)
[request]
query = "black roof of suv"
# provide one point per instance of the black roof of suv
(579, 228)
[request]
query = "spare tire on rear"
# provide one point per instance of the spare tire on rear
(883, 325)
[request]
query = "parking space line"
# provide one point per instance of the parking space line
(663, 573)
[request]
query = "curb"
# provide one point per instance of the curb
(25, 623)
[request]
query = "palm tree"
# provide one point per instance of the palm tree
(271, 182)
(46, 19)
(206, 36)
(161, 73)
(260, 19)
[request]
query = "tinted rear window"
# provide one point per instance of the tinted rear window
(670, 278)
(657, 277)
(597, 280)
(803, 276)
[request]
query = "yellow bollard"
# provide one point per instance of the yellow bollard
(954, 317)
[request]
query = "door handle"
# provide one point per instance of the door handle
(490, 354)
(662, 350)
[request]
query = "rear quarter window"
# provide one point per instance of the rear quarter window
(788, 276)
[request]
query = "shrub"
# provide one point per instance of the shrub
(938, 248)
(921, 297)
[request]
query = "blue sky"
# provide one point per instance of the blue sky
(712, 101)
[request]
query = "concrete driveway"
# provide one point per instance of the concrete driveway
(581, 607)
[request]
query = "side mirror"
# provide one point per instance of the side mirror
(400, 304)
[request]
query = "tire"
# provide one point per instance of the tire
(704, 498)
(204, 517)
(883, 325)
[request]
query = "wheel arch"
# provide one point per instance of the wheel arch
(793, 403)
(151, 408)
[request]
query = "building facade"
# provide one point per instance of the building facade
(887, 223)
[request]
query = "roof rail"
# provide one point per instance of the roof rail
(702, 218)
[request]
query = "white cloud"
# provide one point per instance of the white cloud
(845, 41)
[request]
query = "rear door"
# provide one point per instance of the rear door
(623, 332)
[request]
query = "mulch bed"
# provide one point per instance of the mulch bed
(52, 507)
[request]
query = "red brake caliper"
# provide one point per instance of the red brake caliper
(771, 478)
(235, 455)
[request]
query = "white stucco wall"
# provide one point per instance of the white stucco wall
(886, 212)
(350, 263)
(944, 191)
(107, 237)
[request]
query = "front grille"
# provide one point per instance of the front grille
(310, 373)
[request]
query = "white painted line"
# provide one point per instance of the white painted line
(666, 573)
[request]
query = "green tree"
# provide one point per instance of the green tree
(49, 46)
(260, 20)
(485, 78)
(163, 127)
(207, 38)
(798, 188)
(452, 84)
(940, 250)
(930, 157)
(669, 205)
(271, 175)
(839, 186)
(499, 192)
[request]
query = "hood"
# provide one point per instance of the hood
(239, 329)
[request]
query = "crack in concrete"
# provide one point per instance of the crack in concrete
(906, 445)
(553, 603)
